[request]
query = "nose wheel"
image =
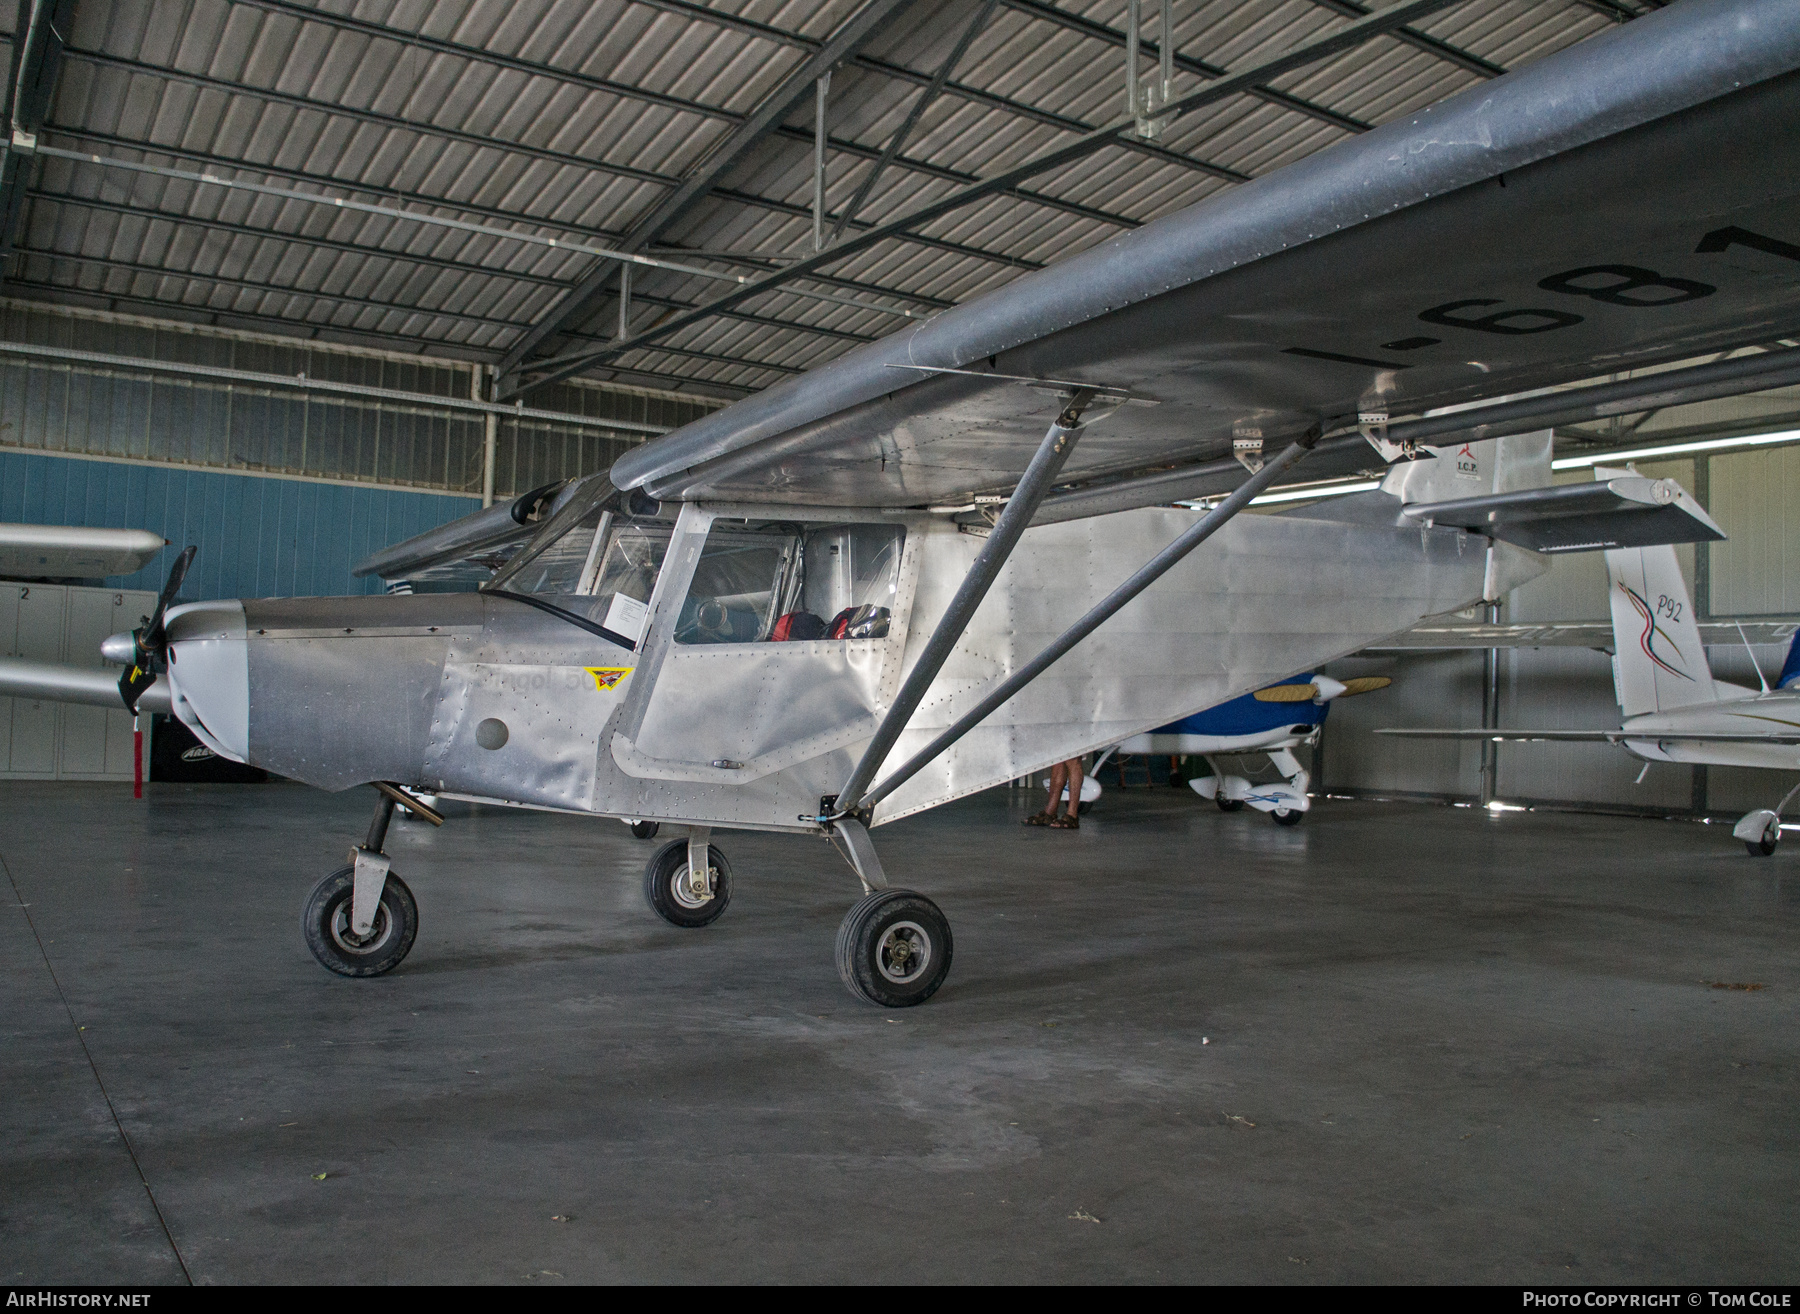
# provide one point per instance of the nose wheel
(894, 948)
(672, 890)
(328, 925)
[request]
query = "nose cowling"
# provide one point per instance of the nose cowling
(209, 674)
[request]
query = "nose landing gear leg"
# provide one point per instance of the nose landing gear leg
(361, 920)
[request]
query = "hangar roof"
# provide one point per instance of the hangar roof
(677, 130)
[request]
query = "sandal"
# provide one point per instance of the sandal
(1068, 821)
(1041, 819)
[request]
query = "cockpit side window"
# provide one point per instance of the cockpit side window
(743, 575)
(779, 582)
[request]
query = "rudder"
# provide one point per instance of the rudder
(1659, 663)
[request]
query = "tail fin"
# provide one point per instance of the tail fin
(1660, 664)
(1473, 469)
(1791, 671)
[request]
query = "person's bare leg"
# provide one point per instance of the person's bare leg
(1059, 776)
(1074, 804)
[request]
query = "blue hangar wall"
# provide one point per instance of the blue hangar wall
(258, 537)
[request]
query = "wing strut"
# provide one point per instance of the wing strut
(1152, 571)
(1058, 442)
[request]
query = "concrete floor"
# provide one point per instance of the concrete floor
(1400, 1043)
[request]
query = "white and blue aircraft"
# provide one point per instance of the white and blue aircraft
(1275, 720)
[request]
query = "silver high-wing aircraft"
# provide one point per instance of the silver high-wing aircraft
(1672, 709)
(843, 600)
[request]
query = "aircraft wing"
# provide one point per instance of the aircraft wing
(1596, 736)
(1632, 199)
(1437, 635)
(476, 544)
(74, 551)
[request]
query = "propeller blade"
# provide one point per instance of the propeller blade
(1287, 693)
(153, 632)
(150, 643)
(1363, 684)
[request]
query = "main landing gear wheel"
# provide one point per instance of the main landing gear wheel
(645, 829)
(670, 893)
(325, 922)
(1229, 804)
(894, 948)
(1765, 847)
(1286, 816)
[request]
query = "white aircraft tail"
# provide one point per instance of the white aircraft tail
(1659, 663)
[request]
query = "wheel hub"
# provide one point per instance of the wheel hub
(903, 952)
(686, 893)
(352, 943)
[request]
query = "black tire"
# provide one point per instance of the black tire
(1082, 809)
(325, 922)
(1229, 804)
(645, 829)
(1287, 816)
(880, 945)
(672, 902)
(1762, 848)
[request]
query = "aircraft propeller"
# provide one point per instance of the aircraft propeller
(1322, 689)
(150, 641)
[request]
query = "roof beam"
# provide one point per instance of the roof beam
(1055, 157)
(441, 263)
(1199, 67)
(30, 91)
(443, 202)
(855, 32)
(891, 151)
(344, 298)
(431, 350)
(376, 119)
(1464, 59)
(532, 68)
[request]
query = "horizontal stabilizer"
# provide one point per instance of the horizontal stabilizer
(1598, 736)
(1441, 634)
(48, 682)
(1630, 511)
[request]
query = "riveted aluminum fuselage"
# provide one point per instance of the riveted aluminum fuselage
(341, 691)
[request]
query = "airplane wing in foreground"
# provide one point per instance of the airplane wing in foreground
(75, 551)
(1631, 200)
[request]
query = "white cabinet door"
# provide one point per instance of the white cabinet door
(39, 639)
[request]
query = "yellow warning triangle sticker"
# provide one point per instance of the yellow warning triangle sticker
(607, 677)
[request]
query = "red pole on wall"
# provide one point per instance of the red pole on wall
(137, 758)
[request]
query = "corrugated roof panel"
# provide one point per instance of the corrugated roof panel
(461, 127)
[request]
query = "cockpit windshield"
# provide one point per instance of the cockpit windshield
(592, 562)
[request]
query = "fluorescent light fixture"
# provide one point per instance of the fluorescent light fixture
(1301, 493)
(1317, 490)
(1676, 449)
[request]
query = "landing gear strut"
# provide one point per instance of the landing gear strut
(361, 920)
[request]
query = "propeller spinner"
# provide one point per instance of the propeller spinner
(150, 642)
